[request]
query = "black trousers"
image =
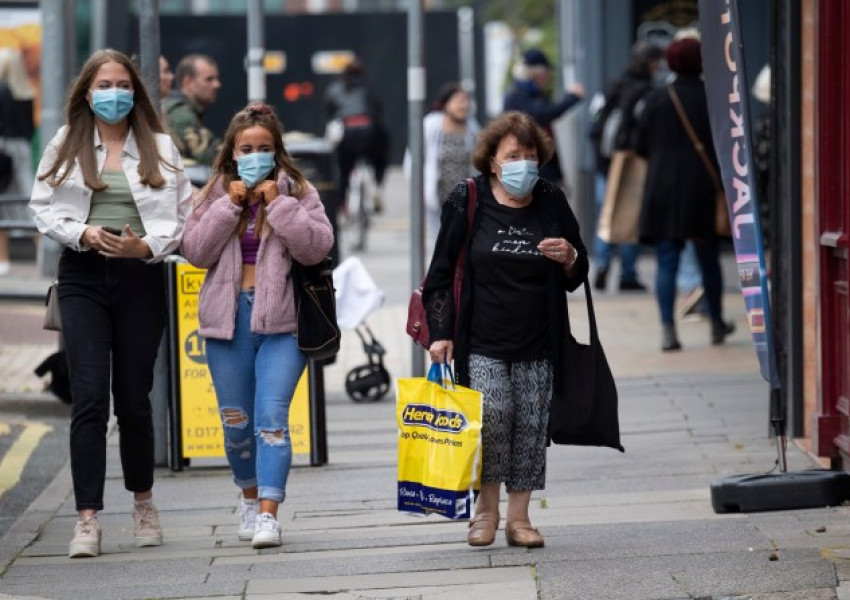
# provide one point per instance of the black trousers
(113, 313)
(369, 142)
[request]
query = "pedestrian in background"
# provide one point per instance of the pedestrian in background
(16, 131)
(613, 130)
(111, 189)
(166, 78)
(449, 136)
(197, 89)
(523, 252)
(352, 101)
(166, 81)
(529, 93)
(679, 198)
(255, 217)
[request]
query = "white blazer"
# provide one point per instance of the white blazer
(61, 212)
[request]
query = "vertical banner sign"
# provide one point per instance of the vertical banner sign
(727, 91)
(201, 432)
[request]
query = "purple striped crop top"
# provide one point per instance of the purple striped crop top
(250, 244)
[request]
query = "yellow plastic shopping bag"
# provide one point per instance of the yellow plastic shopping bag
(439, 445)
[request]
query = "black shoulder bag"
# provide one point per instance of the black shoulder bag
(584, 410)
(315, 306)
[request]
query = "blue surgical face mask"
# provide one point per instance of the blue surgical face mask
(112, 105)
(254, 167)
(519, 177)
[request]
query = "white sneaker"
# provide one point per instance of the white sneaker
(248, 519)
(146, 528)
(86, 540)
(267, 533)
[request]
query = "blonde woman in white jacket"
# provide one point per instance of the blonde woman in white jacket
(111, 189)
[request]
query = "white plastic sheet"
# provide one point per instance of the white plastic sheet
(357, 295)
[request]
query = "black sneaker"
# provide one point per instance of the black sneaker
(669, 340)
(632, 286)
(601, 279)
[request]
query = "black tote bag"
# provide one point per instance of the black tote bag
(315, 305)
(584, 410)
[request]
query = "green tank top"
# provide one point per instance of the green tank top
(114, 206)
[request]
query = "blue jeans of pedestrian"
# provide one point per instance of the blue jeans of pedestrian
(255, 377)
(603, 251)
(668, 267)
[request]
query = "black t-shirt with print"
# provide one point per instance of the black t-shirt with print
(509, 284)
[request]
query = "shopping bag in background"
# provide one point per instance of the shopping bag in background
(439, 444)
(619, 220)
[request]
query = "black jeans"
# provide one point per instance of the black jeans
(113, 313)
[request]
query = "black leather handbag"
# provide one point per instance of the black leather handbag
(315, 305)
(584, 410)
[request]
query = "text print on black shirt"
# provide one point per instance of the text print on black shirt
(516, 240)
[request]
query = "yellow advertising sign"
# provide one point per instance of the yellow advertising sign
(202, 436)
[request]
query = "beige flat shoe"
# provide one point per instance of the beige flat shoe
(523, 534)
(482, 529)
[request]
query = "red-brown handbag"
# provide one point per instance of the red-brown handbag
(417, 322)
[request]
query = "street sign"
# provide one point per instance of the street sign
(200, 429)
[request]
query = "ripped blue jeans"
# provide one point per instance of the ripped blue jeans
(255, 377)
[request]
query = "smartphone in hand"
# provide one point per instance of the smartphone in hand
(111, 230)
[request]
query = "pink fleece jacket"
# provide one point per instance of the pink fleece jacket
(299, 230)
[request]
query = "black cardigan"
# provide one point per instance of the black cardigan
(556, 219)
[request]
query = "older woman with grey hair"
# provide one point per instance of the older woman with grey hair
(521, 253)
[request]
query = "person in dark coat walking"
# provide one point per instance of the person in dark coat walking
(678, 200)
(624, 101)
(528, 94)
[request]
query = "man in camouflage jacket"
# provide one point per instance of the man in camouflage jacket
(198, 84)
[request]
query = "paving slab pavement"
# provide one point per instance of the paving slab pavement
(637, 526)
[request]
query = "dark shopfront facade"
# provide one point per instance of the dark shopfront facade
(807, 45)
(826, 64)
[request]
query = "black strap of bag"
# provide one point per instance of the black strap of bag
(591, 316)
(695, 141)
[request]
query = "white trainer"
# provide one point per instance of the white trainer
(146, 528)
(267, 533)
(248, 519)
(86, 542)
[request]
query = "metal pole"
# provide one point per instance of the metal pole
(318, 426)
(175, 430)
(149, 47)
(98, 25)
(416, 99)
(256, 50)
(466, 44)
(53, 74)
(54, 80)
(785, 80)
(149, 62)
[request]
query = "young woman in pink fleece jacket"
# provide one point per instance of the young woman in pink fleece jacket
(257, 214)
